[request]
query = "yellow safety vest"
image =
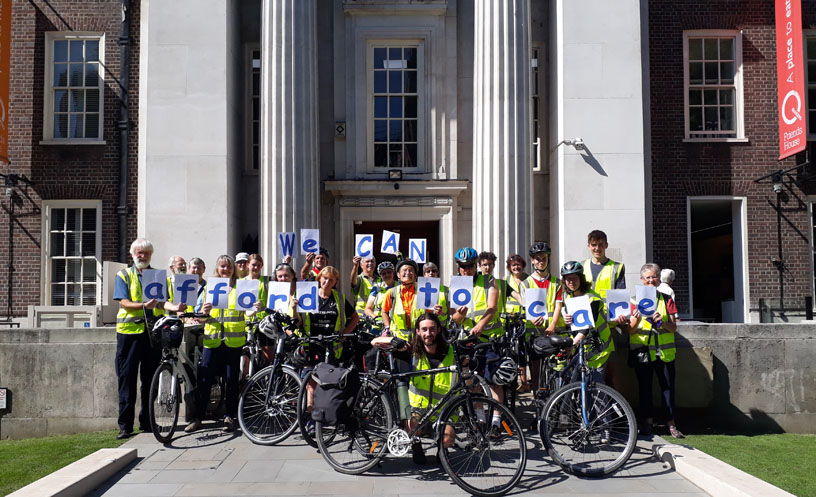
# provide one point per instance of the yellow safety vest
(480, 291)
(379, 299)
(601, 325)
(512, 305)
(606, 278)
(552, 292)
(126, 320)
(227, 324)
(661, 339)
(425, 391)
(362, 290)
(402, 325)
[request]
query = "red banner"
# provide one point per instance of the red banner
(5, 70)
(790, 78)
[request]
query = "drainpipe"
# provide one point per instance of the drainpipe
(124, 127)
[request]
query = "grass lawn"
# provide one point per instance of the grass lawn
(784, 460)
(25, 461)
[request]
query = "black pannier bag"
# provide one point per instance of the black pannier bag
(335, 393)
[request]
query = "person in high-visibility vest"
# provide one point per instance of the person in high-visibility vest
(363, 279)
(136, 358)
(224, 339)
(376, 297)
(600, 271)
(653, 337)
(516, 276)
(431, 270)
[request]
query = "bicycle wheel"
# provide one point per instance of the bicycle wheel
(218, 391)
(304, 417)
(164, 403)
(479, 461)
(358, 445)
(597, 448)
(267, 410)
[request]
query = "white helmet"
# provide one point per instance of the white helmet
(506, 372)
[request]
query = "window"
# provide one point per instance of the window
(396, 106)
(810, 55)
(536, 156)
(253, 158)
(713, 85)
(72, 254)
(74, 85)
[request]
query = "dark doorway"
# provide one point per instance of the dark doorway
(428, 230)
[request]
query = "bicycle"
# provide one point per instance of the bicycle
(267, 409)
(175, 369)
(475, 461)
(553, 351)
(588, 428)
(252, 358)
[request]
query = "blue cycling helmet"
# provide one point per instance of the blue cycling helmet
(466, 255)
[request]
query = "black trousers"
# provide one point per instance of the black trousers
(665, 377)
(135, 358)
(220, 360)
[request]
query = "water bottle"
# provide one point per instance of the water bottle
(404, 401)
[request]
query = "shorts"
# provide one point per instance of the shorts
(487, 363)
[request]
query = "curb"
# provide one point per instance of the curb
(715, 477)
(80, 477)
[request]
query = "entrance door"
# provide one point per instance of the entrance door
(718, 278)
(428, 230)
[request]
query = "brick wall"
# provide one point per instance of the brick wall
(61, 172)
(693, 169)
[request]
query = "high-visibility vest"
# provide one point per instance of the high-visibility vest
(602, 327)
(403, 324)
(362, 290)
(126, 320)
(552, 292)
(379, 299)
(339, 323)
(606, 278)
(480, 291)
(426, 390)
(227, 324)
(659, 339)
(512, 305)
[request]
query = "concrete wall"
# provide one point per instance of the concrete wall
(729, 377)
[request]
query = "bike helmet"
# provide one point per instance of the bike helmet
(466, 255)
(301, 357)
(168, 330)
(539, 247)
(270, 327)
(572, 267)
(408, 262)
(506, 372)
(385, 265)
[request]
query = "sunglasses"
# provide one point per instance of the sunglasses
(282, 265)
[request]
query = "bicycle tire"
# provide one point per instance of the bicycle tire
(604, 445)
(478, 462)
(164, 405)
(267, 409)
(355, 447)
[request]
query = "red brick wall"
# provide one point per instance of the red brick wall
(88, 172)
(692, 169)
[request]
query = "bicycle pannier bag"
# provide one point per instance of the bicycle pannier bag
(334, 396)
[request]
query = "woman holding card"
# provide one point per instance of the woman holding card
(224, 338)
(651, 343)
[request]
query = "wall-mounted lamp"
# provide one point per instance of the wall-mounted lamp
(395, 174)
(576, 142)
(776, 178)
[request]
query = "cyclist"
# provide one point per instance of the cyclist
(314, 264)
(224, 338)
(256, 264)
(656, 334)
(429, 351)
(541, 278)
(135, 357)
(373, 307)
(361, 284)
(431, 270)
(600, 271)
(576, 285)
(515, 281)
(241, 264)
(177, 265)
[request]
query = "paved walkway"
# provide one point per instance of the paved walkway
(211, 463)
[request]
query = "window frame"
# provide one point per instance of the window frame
(46, 283)
(249, 145)
(422, 95)
(48, 88)
(739, 109)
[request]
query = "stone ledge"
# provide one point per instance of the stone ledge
(715, 477)
(81, 477)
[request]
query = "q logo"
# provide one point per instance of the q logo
(795, 111)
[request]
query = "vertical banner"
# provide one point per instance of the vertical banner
(390, 242)
(428, 292)
(218, 291)
(279, 296)
(286, 244)
(306, 292)
(617, 304)
(790, 77)
(309, 241)
(581, 312)
(417, 250)
(247, 294)
(461, 291)
(535, 300)
(185, 289)
(646, 299)
(154, 285)
(364, 246)
(5, 74)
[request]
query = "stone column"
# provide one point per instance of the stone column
(502, 173)
(290, 166)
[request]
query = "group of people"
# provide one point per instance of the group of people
(387, 295)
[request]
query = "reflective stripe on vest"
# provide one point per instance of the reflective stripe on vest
(511, 304)
(364, 286)
(226, 324)
(601, 325)
(402, 325)
(126, 320)
(606, 278)
(422, 391)
(480, 294)
(661, 339)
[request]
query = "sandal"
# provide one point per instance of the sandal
(675, 432)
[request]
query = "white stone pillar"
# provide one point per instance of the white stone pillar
(502, 173)
(290, 166)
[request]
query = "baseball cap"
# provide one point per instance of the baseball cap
(241, 256)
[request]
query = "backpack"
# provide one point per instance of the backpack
(335, 393)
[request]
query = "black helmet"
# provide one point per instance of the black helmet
(169, 331)
(466, 255)
(572, 267)
(408, 262)
(539, 247)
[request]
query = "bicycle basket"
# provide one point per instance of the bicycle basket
(169, 331)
